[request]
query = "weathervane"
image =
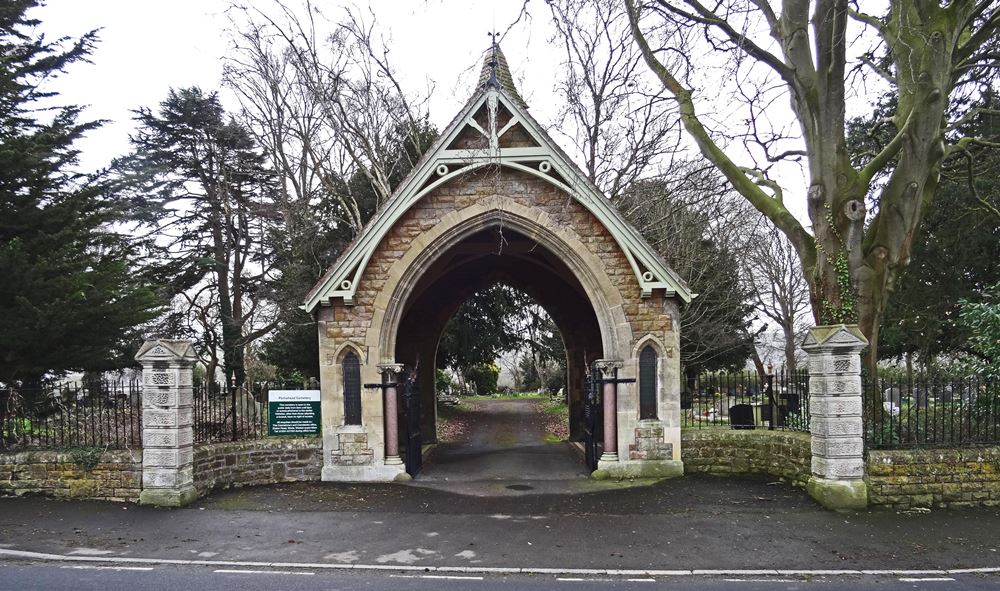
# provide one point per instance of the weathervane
(494, 62)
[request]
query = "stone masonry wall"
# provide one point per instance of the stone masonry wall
(907, 478)
(782, 454)
(116, 477)
(649, 444)
(249, 463)
(352, 450)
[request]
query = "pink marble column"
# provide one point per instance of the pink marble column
(609, 370)
(390, 374)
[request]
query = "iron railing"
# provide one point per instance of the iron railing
(229, 414)
(932, 411)
(747, 400)
(102, 414)
(222, 413)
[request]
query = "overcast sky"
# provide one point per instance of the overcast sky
(148, 46)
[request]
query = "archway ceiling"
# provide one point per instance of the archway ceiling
(476, 264)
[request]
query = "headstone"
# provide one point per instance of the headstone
(946, 394)
(968, 394)
(920, 397)
(741, 416)
(892, 396)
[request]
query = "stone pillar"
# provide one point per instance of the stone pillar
(835, 406)
(609, 371)
(390, 375)
(167, 437)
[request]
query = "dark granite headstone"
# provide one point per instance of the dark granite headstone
(741, 416)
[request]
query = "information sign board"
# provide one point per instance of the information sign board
(293, 412)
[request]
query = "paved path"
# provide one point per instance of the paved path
(503, 451)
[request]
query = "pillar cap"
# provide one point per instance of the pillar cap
(166, 350)
(834, 336)
(608, 365)
(393, 368)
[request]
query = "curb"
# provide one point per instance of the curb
(42, 556)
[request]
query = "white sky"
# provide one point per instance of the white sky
(149, 46)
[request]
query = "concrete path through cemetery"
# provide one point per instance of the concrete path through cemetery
(504, 451)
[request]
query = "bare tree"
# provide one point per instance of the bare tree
(930, 55)
(620, 122)
(326, 103)
(778, 286)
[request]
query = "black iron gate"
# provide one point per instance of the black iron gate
(411, 408)
(593, 419)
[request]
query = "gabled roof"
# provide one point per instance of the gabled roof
(467, 145)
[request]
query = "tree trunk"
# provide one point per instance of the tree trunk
(790, 345)
(758, 364)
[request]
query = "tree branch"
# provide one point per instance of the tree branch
(772, 208)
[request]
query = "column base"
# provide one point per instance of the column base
(383, 473)
(166, 497)
(609, 456)
(839, 495)
(393, 461)
(638, 469)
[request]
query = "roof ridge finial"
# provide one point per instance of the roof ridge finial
(494, 62)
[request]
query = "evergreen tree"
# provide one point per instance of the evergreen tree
(69, 297)
(209, 197)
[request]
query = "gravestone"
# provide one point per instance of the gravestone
(892, 395)
(741, 416)
(890, 401)
(921, 397)
(946, 394)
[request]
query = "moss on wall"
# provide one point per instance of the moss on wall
(907, 478)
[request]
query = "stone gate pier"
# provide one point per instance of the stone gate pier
(167, 414)
(835, 408)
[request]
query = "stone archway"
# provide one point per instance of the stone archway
(471, 262)
(429, 248)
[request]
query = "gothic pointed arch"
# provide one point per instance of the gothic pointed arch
(495, 129)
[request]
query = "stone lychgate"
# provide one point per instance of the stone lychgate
(496, 200)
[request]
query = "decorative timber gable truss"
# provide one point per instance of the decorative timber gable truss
(495, 129)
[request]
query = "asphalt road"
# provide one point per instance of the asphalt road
(153, 578)
(357, 535)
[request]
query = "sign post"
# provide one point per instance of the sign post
(293, 412)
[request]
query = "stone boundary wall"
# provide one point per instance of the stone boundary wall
(249, 463)
(116, 477)
(907, 478)
(781, 454)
